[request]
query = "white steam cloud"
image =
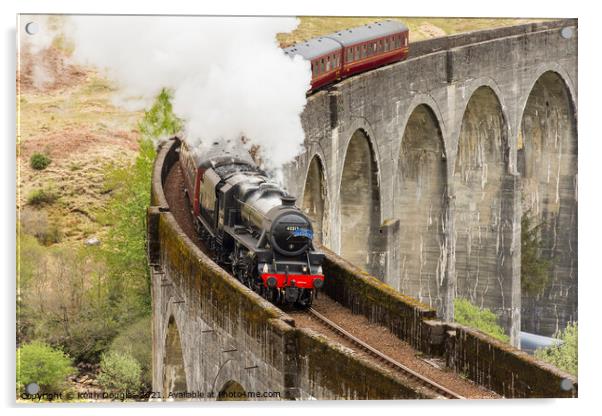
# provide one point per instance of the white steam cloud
(228, 76)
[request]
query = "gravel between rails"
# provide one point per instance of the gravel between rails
(386, 342)
(179, 206)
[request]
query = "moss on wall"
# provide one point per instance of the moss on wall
(376, 300)
(332, 372)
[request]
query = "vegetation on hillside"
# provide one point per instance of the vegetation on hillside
(482, 319)
(420, 27)
(90, 300)
(565, 355)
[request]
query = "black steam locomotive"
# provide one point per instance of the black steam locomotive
(251, 225)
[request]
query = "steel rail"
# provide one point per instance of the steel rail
(408, 372)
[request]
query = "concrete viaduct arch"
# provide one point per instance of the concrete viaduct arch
(453, 256)
(315, 200)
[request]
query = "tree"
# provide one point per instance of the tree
(482, 319)
(136, 340)
(160, 121)
(564, 355)
(125, 246)
(39, 363)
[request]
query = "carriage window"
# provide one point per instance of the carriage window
(349, 55)
(321, 65)
(405, 40)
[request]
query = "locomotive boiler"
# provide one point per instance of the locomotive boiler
(251, 225)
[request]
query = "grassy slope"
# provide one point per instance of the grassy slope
(420, 27)
(84, 134)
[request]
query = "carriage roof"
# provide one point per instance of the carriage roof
(331, 42)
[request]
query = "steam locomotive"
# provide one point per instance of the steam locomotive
(348, 52)
(251, 225)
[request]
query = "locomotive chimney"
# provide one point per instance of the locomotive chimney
(288, 201)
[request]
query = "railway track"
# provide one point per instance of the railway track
(384, 359)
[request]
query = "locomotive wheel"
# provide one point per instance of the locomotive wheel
(305, 300)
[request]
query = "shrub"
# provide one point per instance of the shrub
(482, 319)
(35, 222)
(119, 372)
(39, 161)
(136, 340)
(42, 197)
(563, 356)
(39, 363)
(535, 269)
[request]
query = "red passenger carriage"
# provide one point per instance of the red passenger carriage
(351, 51)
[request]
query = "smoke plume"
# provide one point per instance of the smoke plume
(228, 76)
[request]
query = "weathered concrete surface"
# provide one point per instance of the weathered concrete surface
(498, 366)
(211, 334)
(450, 226)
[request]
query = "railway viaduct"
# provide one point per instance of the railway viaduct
(421, 172)
(398, 134)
